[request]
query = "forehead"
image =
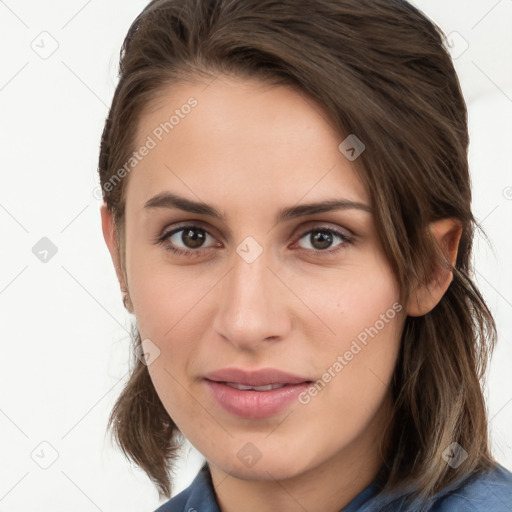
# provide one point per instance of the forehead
(229, 135)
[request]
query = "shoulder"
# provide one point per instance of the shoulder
(489, 491)
(197, 497)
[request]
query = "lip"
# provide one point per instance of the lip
(251, 403)
(261, 377)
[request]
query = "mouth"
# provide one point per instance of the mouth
(243, 387)
(255, 394)
(255, 378)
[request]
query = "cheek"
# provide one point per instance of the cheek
(169, 308)
(167, 313)
(353, 298)
(161, 296)
(361, 308)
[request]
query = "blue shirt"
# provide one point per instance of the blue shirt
(489, 492)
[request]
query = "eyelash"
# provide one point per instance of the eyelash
(163, 240)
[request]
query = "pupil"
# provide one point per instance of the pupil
(323, 238)
(192, 238)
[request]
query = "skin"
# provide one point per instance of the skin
(250, 149)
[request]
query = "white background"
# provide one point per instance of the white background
(64, 330)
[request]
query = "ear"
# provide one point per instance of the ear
(109, 235)
(447, 233)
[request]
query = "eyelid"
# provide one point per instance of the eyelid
(312, 225)
(172, 229)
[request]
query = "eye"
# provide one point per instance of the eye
(192, 240)
(321, 240)
(187, 240)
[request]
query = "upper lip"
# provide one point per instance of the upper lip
(260, 377)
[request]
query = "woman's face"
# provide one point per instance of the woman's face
(237, 270)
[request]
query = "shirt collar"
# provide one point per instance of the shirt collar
(202, 495)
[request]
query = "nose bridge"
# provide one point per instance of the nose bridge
(251, 305)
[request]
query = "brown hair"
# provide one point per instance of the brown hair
(380, 69)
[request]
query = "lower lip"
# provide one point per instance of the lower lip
(255, 404)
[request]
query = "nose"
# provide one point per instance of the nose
(253, 305)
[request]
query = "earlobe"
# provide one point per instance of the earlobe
(425, 297)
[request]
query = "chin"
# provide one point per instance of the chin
(278, 466)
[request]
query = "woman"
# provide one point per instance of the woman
(288, 207)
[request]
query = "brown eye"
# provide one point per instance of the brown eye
(187, 240)
(322, 240)
(193, 238)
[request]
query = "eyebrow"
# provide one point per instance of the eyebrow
(170, 200)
